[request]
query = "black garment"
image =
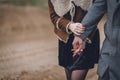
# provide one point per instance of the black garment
(86, 60)
(93, 1)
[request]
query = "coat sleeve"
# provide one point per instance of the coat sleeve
(93, 16)
(59, 23)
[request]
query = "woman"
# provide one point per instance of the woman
(66, 15)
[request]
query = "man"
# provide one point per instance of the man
(109, 63)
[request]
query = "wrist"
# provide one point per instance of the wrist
(70, 26)
(88, 40)
(68, 30)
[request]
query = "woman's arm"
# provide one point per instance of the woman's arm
(59, 22)
(64, 24)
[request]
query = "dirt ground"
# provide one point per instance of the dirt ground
(28, 46)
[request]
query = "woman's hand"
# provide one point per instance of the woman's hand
(77, 28)
(78, 46)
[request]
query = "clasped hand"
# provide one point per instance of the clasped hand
(78, 44)
(77, 28)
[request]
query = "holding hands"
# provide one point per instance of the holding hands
(78, 44)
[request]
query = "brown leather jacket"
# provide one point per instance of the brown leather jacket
(61, 31)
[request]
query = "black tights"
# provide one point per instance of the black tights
(76, 74)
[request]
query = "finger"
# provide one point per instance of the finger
(80, 27)
(83, 46)
(73, 49)
(79, 31)
(80, 48)
(75, 46)
(74, 55)
(76, 33)
(77, 51)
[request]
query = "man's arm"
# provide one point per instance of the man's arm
(90, 21)
(93, 16)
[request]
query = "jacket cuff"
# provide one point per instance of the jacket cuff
(57, 22)
(88, 40)
(67, 28)
(84, 38)
(85, 35)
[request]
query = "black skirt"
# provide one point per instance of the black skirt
(86, 60)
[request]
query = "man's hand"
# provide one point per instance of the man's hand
(77, 28)
(78, 46)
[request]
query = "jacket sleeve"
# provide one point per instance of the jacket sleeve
(59, 22)
(93, 16)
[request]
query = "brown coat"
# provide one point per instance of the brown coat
(61, 31)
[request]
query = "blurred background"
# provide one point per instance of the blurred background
(28, 45)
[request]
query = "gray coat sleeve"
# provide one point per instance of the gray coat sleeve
(93, 16)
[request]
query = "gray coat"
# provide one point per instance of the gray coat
(110, 54)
